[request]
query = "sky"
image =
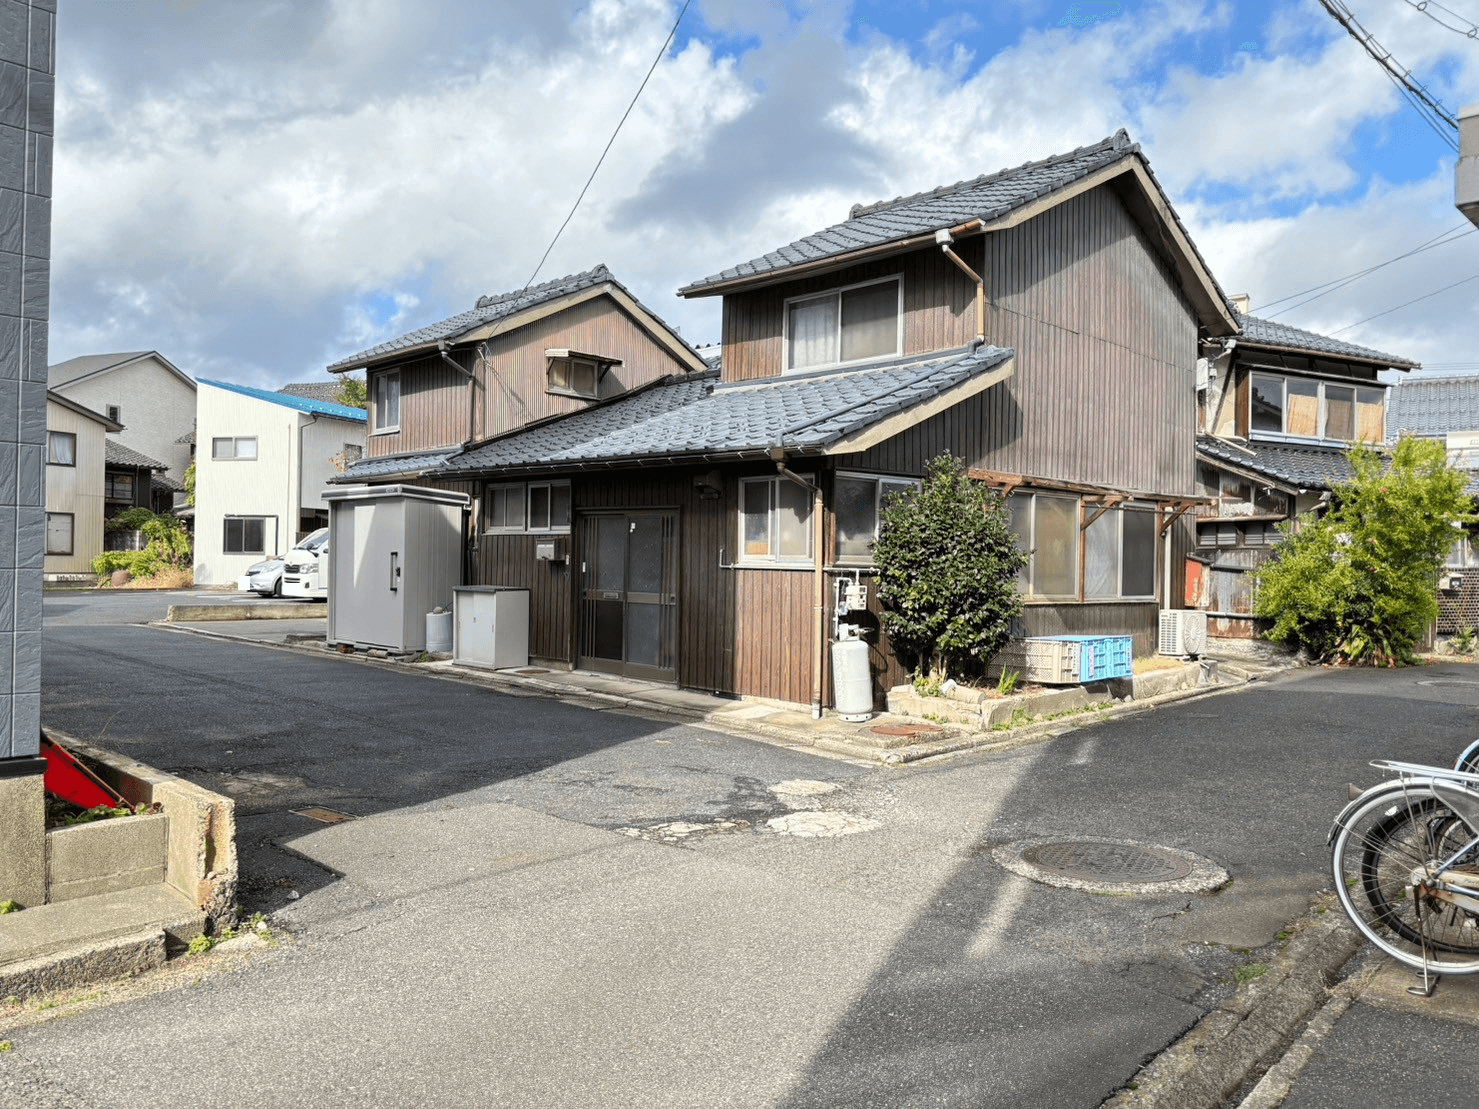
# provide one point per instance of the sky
(257, 188)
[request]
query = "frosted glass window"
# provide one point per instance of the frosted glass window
(794, 520)
(775, 521)
(387, 401)
(857, 517)
(848, 325)
(505, 508)
(870, 321)
(1102, 556)
(1055, 547)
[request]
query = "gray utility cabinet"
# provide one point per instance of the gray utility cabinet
(395, 553)
(491, 627)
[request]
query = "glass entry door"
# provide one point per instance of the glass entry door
(629, 594)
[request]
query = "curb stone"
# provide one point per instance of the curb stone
(831, 746)
(1246, 1034)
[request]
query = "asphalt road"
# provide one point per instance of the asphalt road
(543, 904)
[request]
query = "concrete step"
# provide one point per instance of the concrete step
(66, 926)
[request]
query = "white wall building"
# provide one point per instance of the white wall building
(262, 462)
(151, 397)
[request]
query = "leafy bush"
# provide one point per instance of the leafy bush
(130, 519)
(168, 548)
(947, 573)
(1361, 582)
(1463, 641)
(188, 480)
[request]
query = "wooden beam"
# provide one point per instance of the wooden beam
(1109, 502)
(1180, 508)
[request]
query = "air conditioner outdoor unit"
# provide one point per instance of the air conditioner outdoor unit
(1183, 632)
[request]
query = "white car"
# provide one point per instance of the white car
(304, 572)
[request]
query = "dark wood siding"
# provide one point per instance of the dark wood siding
(1104, 390)
(433, 409)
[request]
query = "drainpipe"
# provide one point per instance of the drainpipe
(945, 238)
(819, 580)
(472, 383)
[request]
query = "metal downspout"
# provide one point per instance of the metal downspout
(472, 385)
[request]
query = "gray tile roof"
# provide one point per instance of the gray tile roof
(394, 465)
(116, 454)
(699, 418)
(169, 484)
(327, 391)
(987, 197)
(1434, 405)
(1300, 465)
(1267, 333)
(492, 308)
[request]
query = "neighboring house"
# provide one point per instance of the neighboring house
(1278, 410)
(1466, 172)
(1447, 409)
(152, 398)
(76, 450)
(134, 480)
(260, 473)
(695, 530)
(516, 358)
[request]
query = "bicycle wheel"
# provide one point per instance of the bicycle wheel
(1383, 841)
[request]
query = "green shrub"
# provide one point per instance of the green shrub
(130, 519)
(168, 548)
(1361, 582)
(947, 573)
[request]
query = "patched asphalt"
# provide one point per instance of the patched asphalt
(496, 925)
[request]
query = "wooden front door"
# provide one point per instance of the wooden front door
(629, 593)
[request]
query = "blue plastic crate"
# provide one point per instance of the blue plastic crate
(1102, 657)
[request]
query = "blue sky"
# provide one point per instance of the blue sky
(257, 189)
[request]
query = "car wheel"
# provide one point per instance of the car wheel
(277, 589)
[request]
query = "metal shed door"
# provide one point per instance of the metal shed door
(373, 560)
(629, 594)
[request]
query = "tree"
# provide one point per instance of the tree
(353, 393)
(947, 573)
(1361, 582)
(190, 485)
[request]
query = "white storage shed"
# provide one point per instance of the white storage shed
(395, 553)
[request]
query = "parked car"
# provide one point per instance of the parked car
(264, 577)
(305, 571)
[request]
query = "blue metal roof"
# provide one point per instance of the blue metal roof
(302, 404)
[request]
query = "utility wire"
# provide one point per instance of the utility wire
(1465, 28)
(660, 54)
(1414, 300)
(1338, 283)
(1414, 91)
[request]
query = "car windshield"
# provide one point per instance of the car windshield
(315, 541)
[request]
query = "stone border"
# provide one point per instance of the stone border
(247, 610)
(1205, 875)
(1237, 1042)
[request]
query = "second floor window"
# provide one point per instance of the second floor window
(851, 324)
(387, 401)
(574, 377)
(1316, 409)
(242, 448)
(61, 448)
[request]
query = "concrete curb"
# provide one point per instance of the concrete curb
(121, 957)
(833, 745)
(281, 610)
(1236, 1042)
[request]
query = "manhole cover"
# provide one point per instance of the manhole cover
(904, 729)
(323, 815)
(1108, 862)
(1099, 865)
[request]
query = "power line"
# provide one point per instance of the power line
(660, 54)
(1412, 90)
(1465, 28)
(1414, 300)
(1338, 283)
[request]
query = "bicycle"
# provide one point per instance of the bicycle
(1405, 857)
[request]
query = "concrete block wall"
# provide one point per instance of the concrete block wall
(27, 82)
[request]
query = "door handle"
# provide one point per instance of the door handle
(395, 571)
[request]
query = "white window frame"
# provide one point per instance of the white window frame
(235, 455)
(1322, 418)
(525, 490)
(787, 368)
(877, 480)
(379, 382)
(774, 558)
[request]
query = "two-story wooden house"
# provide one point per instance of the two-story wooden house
(514, 359)
(1278, 408)
(1041, 323)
